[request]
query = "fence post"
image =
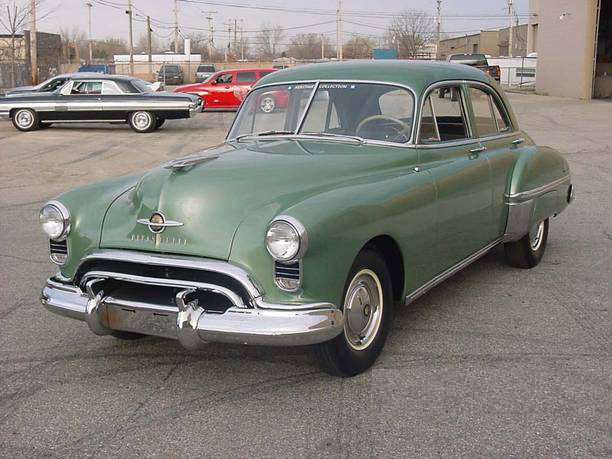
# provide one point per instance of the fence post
(522, 70)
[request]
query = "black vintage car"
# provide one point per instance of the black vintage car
(99, 99)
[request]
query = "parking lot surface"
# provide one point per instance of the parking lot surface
(494, 362)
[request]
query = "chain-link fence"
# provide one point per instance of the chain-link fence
(516, 73)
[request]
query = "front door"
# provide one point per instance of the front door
(461, 173)
(220, 92)
(83, 102)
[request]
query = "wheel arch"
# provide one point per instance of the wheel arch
(392, 254)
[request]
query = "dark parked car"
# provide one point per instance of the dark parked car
(479, 61)
(99, 99)
(107, 69)
(204, 71)
(171, 74)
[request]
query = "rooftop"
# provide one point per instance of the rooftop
(414, 74)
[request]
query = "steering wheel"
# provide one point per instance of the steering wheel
(399, 129)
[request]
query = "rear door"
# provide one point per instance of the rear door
(245, 79)
(115, 103)
(503, 146)
(450, 152)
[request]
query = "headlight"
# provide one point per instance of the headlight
(55, 221)
(286, 239)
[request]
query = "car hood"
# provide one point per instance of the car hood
(21, 89)
(190, 87)
(209, 198)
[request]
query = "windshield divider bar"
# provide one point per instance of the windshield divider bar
(307, 108)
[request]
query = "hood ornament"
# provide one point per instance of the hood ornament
(157, 222)
(191, 160)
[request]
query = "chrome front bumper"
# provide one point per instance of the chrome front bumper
(261, 324)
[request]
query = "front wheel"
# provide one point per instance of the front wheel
(368, 312)
(25, 119)
(142, 121)
(529, 250)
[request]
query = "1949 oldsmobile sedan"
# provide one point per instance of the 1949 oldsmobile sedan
(306, 226)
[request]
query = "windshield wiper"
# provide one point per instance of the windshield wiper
(262, 134)
(335, 136)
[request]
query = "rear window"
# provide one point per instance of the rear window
(472, 59)
(206, 68)
(246, 77)
(170, 68)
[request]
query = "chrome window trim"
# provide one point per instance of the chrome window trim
(408, 144)
(513, 131)
(492, 94)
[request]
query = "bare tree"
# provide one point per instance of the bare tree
(74, 39)
(410, 32)
(105, 49)
(358, 48)
(307, 46)
(14, 16)
(142, 43)
(268, 41)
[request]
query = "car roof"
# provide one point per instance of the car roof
(101, 76)
(417, 75)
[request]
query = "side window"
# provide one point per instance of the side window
(109, 88)
(245, 77)
(87, 87)
(502, 122)
(224, 78)
(483, 112)
(396, 104)
(443, 117)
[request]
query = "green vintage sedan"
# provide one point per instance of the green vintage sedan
(373, 183)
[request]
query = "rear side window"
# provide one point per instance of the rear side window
(245, 77)
(443, 118)
(109, 88)
(487, 116)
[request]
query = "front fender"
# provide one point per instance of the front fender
(339, 223)
(87, 206)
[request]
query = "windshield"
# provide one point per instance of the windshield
(369, 111)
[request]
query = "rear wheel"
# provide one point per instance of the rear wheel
(25, 119)
(368, 312)
(529, 250)
(142, 121)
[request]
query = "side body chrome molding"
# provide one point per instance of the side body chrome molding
(450, 271)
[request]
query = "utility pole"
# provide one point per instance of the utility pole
(229, 39)
(33, 44)
(210, 32)
(149, 46)
(129, 13)
(235, 33)
(339, 31)
(242, 43)
(509, 28)
(176, 28)
(322, 46)
(439, 28)
(89, 5)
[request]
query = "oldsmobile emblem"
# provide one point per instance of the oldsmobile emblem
(157, 222)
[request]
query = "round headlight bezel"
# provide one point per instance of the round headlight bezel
(64, 215)
(300, 231)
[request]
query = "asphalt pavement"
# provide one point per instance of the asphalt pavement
(494, 362)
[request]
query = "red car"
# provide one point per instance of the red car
(225, 90)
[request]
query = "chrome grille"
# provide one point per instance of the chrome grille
(58, 247)
(287, 270)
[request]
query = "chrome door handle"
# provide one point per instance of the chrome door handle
(478, 150)
(517, 141)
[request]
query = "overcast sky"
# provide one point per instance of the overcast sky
(110, 21)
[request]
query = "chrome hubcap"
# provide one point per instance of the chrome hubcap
(363, 307)
(142, 120)
(25, 119)
(267, 105)
(535, 236)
